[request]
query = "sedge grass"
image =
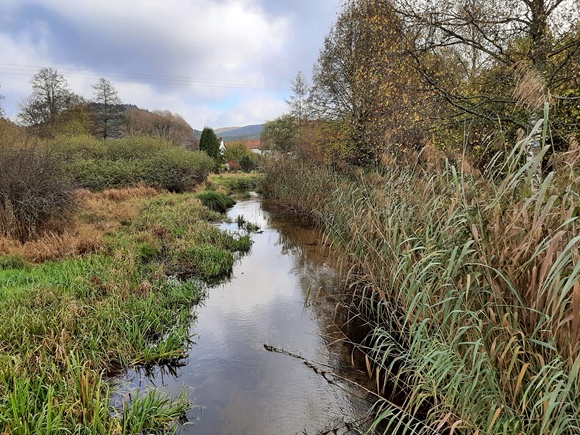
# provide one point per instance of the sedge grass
(469, 288)
(216, 201)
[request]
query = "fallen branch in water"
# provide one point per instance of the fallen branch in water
(328, 375)
(315, 366)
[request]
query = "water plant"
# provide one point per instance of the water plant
(245, 225)
(216, 201)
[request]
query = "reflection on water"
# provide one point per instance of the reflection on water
(237, 386)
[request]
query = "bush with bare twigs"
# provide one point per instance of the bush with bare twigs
(34, 197)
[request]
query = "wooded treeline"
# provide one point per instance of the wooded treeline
(465, 77)
(52, 109)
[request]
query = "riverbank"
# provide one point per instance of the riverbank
(468, 288)
(99, 298)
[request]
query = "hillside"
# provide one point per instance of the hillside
(249, 132)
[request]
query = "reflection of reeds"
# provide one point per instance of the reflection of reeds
(470, 289)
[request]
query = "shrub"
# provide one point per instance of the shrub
(99, 165)
(247, 164)
(177, 169)
(234, 182)
(34, 195)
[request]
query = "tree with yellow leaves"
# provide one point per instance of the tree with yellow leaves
(364, 86)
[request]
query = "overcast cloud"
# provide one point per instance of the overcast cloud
(216, 62)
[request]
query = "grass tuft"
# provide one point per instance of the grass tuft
(70, 323)
(216, 201)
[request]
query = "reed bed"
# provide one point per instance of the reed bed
(468, 287)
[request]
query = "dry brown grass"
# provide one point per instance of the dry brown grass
(128, 193)
(567, 163)
(531, 90)
(100, 214)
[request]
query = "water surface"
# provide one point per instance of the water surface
(237, 386)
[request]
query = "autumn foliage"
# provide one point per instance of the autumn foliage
(467, 78)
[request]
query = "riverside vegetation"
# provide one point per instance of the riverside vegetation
(467, 287)
(438, 148)
(91, 285)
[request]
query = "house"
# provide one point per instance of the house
(253, 145)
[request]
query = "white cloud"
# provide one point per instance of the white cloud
(216, 62)
(255, 109)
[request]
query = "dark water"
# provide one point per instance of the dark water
(236, 385)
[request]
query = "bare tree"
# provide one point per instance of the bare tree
(514, 41)
(175, 129)
(107, 112)
(50, 97)
(160, 123)
(1, 109)
(298, 100)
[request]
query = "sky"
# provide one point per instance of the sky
(217, 63)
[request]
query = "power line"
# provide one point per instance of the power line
(27, 70)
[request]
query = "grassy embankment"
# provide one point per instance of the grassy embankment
(94, 298)
(229, 183)
(468, 287)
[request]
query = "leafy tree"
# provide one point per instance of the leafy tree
(208, 142)
(106, 99)
(236, 150)
(363, 86)
(50, 97)
(78, 120)
(280, 134)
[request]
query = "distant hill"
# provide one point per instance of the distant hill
(249, 132)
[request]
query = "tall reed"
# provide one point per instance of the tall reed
(469, 288)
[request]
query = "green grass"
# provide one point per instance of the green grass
(216, 201)
(69, 324)
(235, 182)
(468, 288)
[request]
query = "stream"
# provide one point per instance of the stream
(279, 295)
